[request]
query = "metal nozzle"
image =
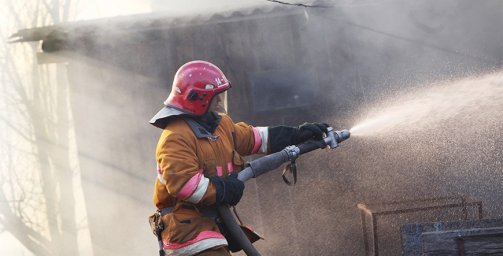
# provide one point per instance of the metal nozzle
(335, 137)
(342, 135)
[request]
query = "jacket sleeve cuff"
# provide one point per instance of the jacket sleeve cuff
(261, 137)
(210, 197)
(280, 137)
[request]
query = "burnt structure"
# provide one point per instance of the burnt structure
(381, 221)
(476, 237)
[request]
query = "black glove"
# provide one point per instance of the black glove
(309, 131)
(229, 189)
(282, 136)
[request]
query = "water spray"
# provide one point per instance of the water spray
(427, 106)
(268, 163)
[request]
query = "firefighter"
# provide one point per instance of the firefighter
(199, 154)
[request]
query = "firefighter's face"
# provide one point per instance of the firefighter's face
(219, 103)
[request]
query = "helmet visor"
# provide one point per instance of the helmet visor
(219, 103)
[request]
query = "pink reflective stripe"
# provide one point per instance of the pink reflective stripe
(195, 248)
(198, 194)
(190, 186)
(258, 140)
(159, 169)
(201, 236)
(219, 171)
(230, 167)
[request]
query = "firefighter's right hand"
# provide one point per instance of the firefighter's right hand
(229, 189)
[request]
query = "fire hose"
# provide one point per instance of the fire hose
(268, 163)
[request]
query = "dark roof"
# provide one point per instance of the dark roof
(150, 21)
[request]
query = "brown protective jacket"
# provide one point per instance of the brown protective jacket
(185, 158)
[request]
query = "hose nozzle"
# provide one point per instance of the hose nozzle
(335, 137)
(342, 135)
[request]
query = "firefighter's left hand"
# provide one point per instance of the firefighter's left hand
(311, 131)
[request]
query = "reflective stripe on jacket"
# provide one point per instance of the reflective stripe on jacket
(203, 241)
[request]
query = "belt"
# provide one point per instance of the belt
(210, 212)
(166, 210)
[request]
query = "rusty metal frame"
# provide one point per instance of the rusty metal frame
(460, 241)
(365, 210)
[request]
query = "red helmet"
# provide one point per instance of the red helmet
(194, 86)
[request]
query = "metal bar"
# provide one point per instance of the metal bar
(365, 235)
(424, 208)
(415, 201)
(465, 210)
(460, 242)
(479, 206)
(374, 231)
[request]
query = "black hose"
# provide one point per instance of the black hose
(254, 169)
(311, 145)
(235, 231)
